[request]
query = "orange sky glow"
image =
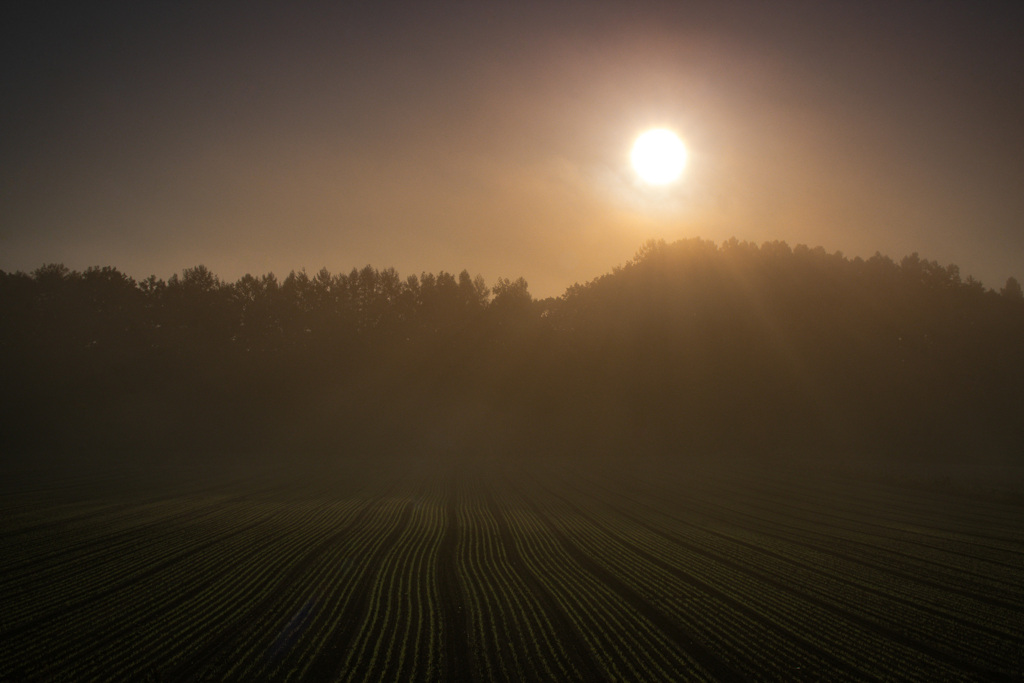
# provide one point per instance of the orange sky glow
(496, 138)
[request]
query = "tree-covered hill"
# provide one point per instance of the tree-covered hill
(688, 349)
(772, 347)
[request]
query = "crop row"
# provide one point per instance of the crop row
(540, 574)
(152, 609)
(965, 635)
(515, 631)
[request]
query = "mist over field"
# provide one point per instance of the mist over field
(689, 350)
(715, 462)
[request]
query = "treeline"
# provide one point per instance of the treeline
(690, 348)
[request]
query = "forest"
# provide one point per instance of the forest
(689, 349)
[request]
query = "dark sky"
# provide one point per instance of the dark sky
(495, 137)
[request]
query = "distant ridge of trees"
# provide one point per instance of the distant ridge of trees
(689, 348)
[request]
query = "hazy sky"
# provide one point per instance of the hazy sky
(256, 137)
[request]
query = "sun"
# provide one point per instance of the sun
(659, 156)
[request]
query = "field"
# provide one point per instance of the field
(503, 572)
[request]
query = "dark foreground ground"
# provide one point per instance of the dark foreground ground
(497, 571)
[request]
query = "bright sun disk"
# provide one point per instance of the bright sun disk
(659, 156)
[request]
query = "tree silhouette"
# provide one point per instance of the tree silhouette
(1012, 290)
(688, 348)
